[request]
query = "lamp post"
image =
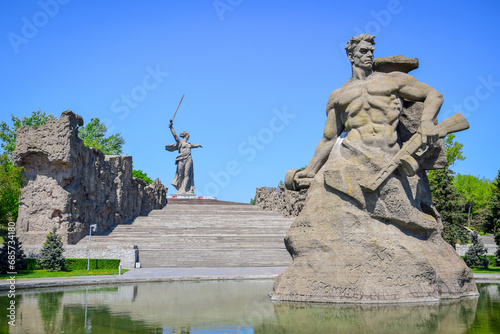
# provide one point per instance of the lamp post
(92, 227)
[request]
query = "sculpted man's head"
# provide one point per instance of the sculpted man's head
(360, 49)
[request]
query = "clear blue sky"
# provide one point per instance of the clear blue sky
(256, 74)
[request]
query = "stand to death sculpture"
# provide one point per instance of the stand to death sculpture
(184, 175)
(368, 232)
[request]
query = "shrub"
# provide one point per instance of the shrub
(491, 260)
(51, 257)
(475, 257)
(81, 264)
(12, 256)
(32, 264)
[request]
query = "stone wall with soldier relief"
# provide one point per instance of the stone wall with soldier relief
(287, 202)
(70, 186)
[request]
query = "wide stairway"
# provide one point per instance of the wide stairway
(204, 233)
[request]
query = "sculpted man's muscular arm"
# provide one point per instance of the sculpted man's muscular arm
(414, 90)
(333, 128)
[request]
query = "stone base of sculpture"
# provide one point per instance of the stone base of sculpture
(352, 246)
(186, 195)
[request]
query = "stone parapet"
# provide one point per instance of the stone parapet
(462, 249)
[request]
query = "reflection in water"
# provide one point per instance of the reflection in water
(488, 310)
(5, 303)
(447, 317)
(102, 321)
(49, 305)
(237, 307)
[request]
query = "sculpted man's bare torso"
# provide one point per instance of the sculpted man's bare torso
(369, 110)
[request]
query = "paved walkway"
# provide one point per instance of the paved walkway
(487, 278)
(173, 274)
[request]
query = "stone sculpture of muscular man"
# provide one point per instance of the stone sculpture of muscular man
(351, 243)
(368, 106)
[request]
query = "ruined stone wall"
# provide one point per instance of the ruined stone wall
(70, 186)
(287, 202)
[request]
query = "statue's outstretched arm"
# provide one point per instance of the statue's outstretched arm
(196, 145)
(171, 126)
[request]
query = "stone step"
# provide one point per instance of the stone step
(186, 236)
(196, 245)
(201, 258)
(173, 219)
(204, 224)
(206, 247)
(166, 235)
(203, 234)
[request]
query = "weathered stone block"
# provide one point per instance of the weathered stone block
(70, 186)
(287, 202)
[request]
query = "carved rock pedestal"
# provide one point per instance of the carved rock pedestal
(352, 246)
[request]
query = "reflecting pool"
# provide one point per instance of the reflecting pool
(233, 307)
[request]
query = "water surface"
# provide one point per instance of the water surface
(234, 307)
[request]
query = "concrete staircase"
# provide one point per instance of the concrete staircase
(204, 233)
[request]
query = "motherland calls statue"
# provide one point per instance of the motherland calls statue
(368, 232)
(184, 175)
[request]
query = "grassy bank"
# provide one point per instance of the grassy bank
(70, 273)
(490, 270)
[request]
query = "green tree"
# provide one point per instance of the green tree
(11, 181)
(497, 253)
(12, 256)
(51, 257)
(453, 150)
(8, 134)
(477, 194)
(447, 200)
(141, 175)
(493, 221)
(94, 135)
(449, 204)
(475, 257)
